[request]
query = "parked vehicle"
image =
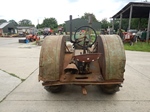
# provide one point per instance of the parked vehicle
(130, 36)
(99, 61)
(142, 35)
(32, 37)
(47, 31)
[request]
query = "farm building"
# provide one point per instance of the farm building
(78, 22)
(134, 10)
(26, 29)
(7, 28)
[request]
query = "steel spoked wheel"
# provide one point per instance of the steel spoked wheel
(110, 89)
(85, 36)
(53, 89)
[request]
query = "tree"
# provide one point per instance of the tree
(138, 23)
(125, 23)
(14, 22)
(105, 23)
(2, 21)
(25, 22)
(48, 22)
(64, 26)
(86, 16)
(39, 26)
(116, 25)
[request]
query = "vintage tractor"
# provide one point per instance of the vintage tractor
(90, 59)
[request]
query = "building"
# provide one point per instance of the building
(26, 30)
(134, 10)
(7, 28)
(78, 22)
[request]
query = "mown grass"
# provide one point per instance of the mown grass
(139, 46)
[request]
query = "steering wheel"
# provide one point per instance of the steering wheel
(85, 36)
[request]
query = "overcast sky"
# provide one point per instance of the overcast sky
(35, 10)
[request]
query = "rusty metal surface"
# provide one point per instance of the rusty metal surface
(51, 58)
(84, 91)
(71, 68)
(67, 59)
(82, 83)
(112, 61)
(87, 57)
(94, 76)
(106, 66)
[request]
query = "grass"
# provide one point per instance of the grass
(139, 46)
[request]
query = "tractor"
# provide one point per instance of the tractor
(86, 59)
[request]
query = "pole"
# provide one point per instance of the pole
(113, 24)
(148, 28)
(120, 23)
(130, 17)
(71, 28)
(90, 19)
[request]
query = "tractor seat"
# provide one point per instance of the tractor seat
(87, 57)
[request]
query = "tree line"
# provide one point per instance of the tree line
(53, 24)
(24, 22)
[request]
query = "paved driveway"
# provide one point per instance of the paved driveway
(29, 95)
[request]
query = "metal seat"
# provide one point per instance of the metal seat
(87, 57)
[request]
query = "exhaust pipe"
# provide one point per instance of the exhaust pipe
(71, 30)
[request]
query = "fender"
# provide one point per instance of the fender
(51, 58)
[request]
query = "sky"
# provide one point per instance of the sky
(38, 10)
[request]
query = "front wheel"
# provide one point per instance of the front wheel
(53, 89)
(110, 89)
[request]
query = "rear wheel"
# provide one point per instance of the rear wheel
(110, 89)
(53, 89)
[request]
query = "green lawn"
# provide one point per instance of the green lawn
(139, 46)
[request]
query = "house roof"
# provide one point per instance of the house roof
(139, 10)
(4, 24)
